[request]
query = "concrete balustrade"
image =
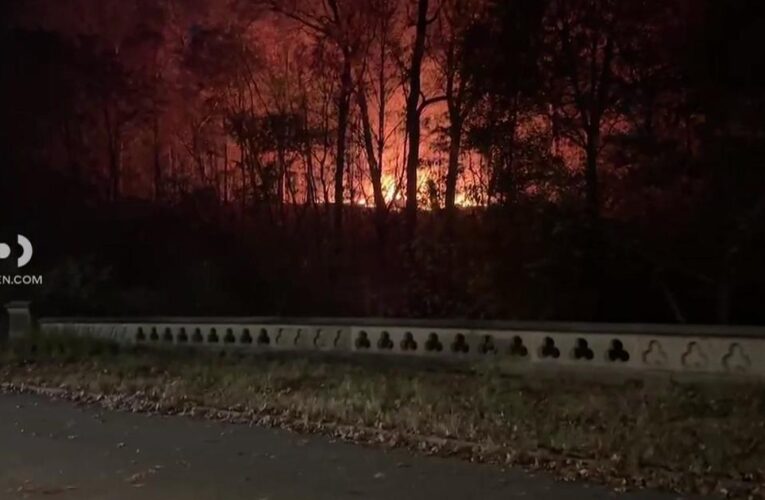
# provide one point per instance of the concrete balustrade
(738, 351)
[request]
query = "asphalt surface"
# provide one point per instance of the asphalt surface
(57, 450)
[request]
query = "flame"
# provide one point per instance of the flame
(388, 182)
(461, 200)
(394, 195)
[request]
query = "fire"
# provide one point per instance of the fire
(394, 194)
(390, 192)
(462, 200)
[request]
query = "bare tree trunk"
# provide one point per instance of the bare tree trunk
(455, 144)
(455, 92)
(375, 171)
(310, 181)
(281, 175)
(215, 178)
(413, 117)
(282, 180)
(595, 251)
(591, 173)
(344, 107)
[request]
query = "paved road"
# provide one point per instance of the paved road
(53, 449)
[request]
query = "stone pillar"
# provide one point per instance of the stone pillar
(19, 320)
